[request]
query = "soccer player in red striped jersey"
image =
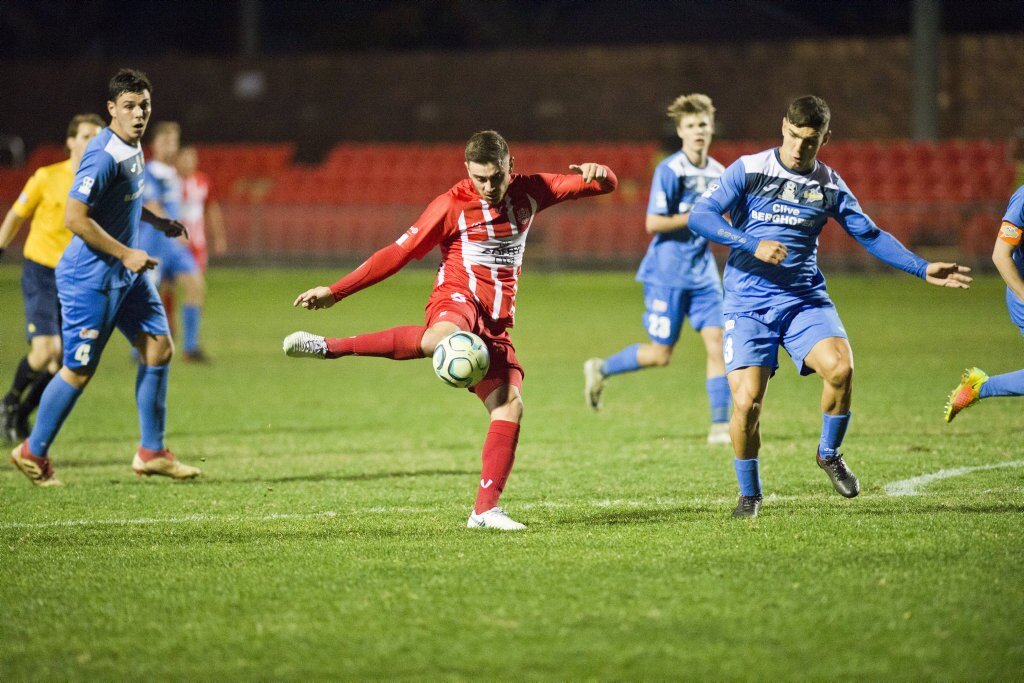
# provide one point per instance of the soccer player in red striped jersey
(481, 225)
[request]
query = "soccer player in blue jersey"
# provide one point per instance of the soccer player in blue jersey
(679, 272)
(43, 198)
(163, 195)
(100, 288)
(1008, 255)
(779, 201)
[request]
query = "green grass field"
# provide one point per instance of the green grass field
(327, 539)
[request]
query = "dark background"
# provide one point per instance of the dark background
(57, 29)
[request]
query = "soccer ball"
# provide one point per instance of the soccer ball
(461, 359)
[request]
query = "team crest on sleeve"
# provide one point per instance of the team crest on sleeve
(710, 191)
(522, 215)
(86, 187)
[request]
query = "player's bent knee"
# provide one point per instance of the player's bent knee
(433, 335)
(512, 411)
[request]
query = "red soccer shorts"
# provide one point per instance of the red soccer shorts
(505, 367)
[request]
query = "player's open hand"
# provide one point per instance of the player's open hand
(313, 299)
(948, 275)
(138, 261)
(771, 252)
(590, 171)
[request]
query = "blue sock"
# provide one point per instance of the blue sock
(748, 475)
(833, 429)
(54, 407)
(190, 316)
(720, 398)
(624, 361)
(151, 397)
(1010, 384)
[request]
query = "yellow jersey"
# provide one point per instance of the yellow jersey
(44, 198)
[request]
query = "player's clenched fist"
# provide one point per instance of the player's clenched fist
(138, 261)
(590, 171)
(771, 252)
(312, 299)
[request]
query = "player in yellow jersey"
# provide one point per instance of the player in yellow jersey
(43, 199)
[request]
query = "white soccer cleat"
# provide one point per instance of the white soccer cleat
(495, 518)
(719, 434)
(593, 382)
(305, 345)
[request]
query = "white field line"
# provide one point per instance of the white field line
(906, 487)
(909, 487)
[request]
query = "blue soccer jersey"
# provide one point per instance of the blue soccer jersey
(110, 181)
(768, 201)
(1013, 226)
(679, 259)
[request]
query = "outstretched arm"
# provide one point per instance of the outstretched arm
(888, 249)
(382, 265)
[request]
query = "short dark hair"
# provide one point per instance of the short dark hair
(809, 111)
(128, 80)
(486, 147)
(83, 118)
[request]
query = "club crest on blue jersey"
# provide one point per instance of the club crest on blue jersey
(788, 193)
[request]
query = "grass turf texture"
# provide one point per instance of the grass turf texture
(328, 539)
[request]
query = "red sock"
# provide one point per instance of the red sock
(398, 343)
(167, 297)
(499, 454)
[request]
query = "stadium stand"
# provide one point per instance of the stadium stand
(945, 195)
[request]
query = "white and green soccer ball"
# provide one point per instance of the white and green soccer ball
(461, 359)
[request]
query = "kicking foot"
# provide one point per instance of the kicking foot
(966, 393)
(719, 434)
(495, 518)
(593, 382)
(305, 345)
(843, 479)
(747, 506)
(147, 463)
(38, 470)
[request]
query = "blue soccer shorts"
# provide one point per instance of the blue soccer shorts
(177, 260)
(668, 307)
(752, 339)
(90, 316)
(42, 307)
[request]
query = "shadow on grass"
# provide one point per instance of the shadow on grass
(618, 516)
(365, 476)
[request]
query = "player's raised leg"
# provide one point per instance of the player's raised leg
(748, 386)
(832, 359)
(406, 342)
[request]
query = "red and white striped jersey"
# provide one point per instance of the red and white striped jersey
(482, 245)
(195, 193)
